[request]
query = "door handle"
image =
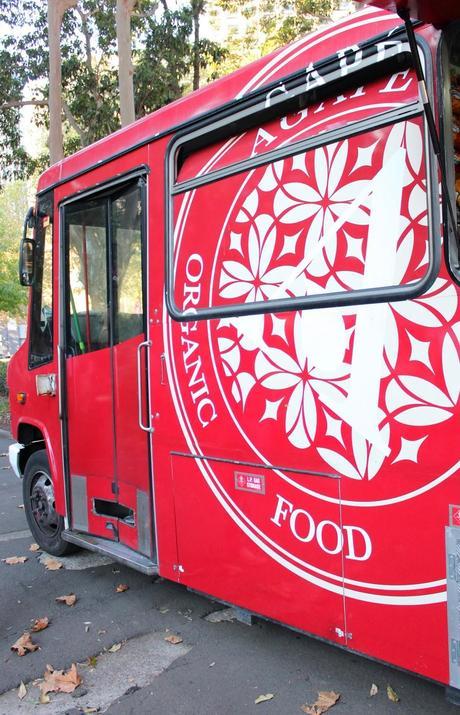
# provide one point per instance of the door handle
(147, 428)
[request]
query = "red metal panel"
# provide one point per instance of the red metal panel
(270, 555)
(132, 456)
(251, 390)
(91, 437)
(131, 441)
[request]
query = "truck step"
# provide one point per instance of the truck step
(118, 552)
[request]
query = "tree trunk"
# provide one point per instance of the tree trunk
(125, 64)
(56, 10)
(197, 9)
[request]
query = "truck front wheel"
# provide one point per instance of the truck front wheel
(44, 522)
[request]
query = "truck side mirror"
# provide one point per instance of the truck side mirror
(27, 252)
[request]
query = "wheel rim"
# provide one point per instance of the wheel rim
(42, 504)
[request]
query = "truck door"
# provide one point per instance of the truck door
(105, 339)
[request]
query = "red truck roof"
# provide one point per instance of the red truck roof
(437, 13)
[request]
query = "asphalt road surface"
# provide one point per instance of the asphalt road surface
(117, 640)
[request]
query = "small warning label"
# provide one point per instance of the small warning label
(250, 482)
(454, 514)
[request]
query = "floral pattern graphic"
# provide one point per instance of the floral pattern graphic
(331, 379)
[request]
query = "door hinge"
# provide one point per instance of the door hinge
(114, 488)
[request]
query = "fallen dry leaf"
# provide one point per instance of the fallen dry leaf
(40, 624)
(44, 698)
(326, 699)
(34, 547)
(374, 690)
(52, 564)
(60, 681)
(13, 560)
(24, 644)
(174, 639)
(392, 695)
(22, 691)
(70, 599)
(115, 648)
(89, 711)
(264, 698)
(122, 587)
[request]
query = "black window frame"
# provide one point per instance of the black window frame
(255, 111)
(45, 209)
(452, 238)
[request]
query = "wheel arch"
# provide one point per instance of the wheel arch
(34, 437)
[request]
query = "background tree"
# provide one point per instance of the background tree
(125, 62)
(13, 205)
(56, 10)
(256, 27)
(166, 55)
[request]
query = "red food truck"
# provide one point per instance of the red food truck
(242, 362)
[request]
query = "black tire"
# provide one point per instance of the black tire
(45, 524)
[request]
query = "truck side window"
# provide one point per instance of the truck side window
(329, 206)
(104, 269)
(41, 324)
(125, 225)
(87, 297)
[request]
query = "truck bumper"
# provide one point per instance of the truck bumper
(13, 454)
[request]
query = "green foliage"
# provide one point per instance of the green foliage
(164, 55)
(3, 386)
(169, 57)
(164, 52)
(13, 207)
(265, 25)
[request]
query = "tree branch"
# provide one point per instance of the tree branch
(24, 103)
(73, 123)
(87, 36)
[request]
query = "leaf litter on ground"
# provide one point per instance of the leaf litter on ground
(40, 624)
(22, 691)
(52, 564)
(34, 547)
(70, 599)
(24, 645)
(13, 560)
(325, 701)
(263, 698)
(392, 695)
(174, 640)
(60, 681)
(114, 648)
